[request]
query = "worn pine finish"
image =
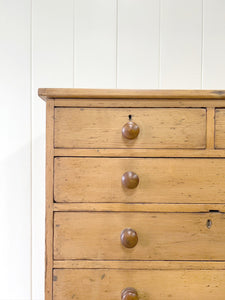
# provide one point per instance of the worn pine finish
(144, 103)
(150, 284)
(68, 93)
(49, 198)
(210, 127)
(161, 180)
(101, 128)
(220, 128)
(161, 236)
(138, 207)
(139, 264)
(135, 184)
(155, 102)
(220, 153)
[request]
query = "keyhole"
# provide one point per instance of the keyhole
(130, 117)
(209, 224)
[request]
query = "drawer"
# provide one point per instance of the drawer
(220, 128)
(108, 284)
(160, 180)
(151, 236)
(102, 128)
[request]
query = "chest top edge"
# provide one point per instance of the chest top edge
(74, 93)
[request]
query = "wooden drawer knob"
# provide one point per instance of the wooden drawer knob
(130, 130)
(129, 238)
(130, 180)
(129, 294)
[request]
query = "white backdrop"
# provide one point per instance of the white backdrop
(149, 44)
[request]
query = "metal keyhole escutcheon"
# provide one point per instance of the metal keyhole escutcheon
(209, 223)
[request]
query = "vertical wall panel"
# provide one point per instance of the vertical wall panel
(181, 44)
(52, 67)
(15, 166)
(95, 43)
(138, 43)
(214, 44)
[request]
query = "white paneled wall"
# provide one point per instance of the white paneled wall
(93, 44)
(52, 65)
(138, 44)
(213, 60)
(180, 44)
(15, 158)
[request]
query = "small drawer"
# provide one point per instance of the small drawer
(139, 180)
(108, 284)
(220, 128)
(130, 128)
(139, 236)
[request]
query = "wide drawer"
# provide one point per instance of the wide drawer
(153, 236)
(161, 180)
(102, 127)
(108, 284)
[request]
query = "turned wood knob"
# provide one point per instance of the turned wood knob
(129, 238)
(129, 294)
(130, 180)
(130, 130)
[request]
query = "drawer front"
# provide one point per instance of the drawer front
(161, 180)
(220, 128)
(102, 128)
(152, 236)
(108, 284)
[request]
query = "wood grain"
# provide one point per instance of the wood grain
(220, 128)
(161, 180)
(150, 284)
(142, 102)
(138, 207)
(141, 152)
(161, 236)
(170, 210)
(102, 128)
(210, 128)
(139, 264)
(57, 93)
(49, 200)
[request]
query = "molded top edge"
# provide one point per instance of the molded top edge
(69, 93)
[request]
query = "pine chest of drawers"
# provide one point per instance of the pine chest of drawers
(135, 197)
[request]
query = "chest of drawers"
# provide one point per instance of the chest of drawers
(135, 194)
